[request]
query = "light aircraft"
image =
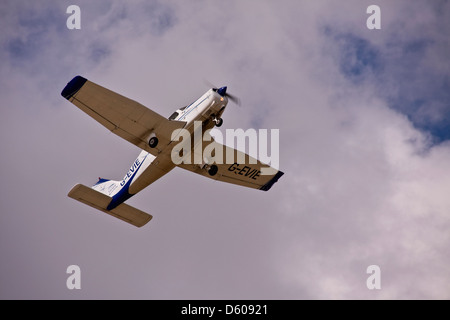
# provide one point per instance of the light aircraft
(154, 134)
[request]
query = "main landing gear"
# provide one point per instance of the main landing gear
(213, 170)
(153, 142)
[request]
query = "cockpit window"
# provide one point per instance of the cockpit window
(173, 116)
(183, 108)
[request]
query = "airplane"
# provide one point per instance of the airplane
(154, 135)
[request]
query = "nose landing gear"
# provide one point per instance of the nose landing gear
(217, 121)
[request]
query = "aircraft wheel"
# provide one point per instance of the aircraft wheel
(213, 170)
(219, 122)
(153, 142)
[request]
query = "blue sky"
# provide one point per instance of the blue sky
(422, 94)
(363, 118)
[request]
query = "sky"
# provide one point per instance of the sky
(364, 118)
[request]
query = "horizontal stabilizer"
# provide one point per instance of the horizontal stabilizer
(100, 201)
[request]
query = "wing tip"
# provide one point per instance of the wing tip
(272, 181)
(73, 87)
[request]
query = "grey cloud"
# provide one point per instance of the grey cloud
(362, 185)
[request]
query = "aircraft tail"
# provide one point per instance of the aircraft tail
(107, 187)
(98, 198)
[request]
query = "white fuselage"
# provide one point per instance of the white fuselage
(209, 104)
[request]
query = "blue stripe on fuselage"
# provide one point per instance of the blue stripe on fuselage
(123, 194)
(190, 109)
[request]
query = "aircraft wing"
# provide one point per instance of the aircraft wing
(124, 117)
(237, 168)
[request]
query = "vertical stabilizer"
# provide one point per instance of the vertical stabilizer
(107, 187)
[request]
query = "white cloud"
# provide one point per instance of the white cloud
(362, 185)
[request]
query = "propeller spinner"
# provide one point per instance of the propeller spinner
(223, 92)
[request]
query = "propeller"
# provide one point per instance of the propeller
(223, 92)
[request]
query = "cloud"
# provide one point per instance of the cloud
(405, 61)
(365, 179)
